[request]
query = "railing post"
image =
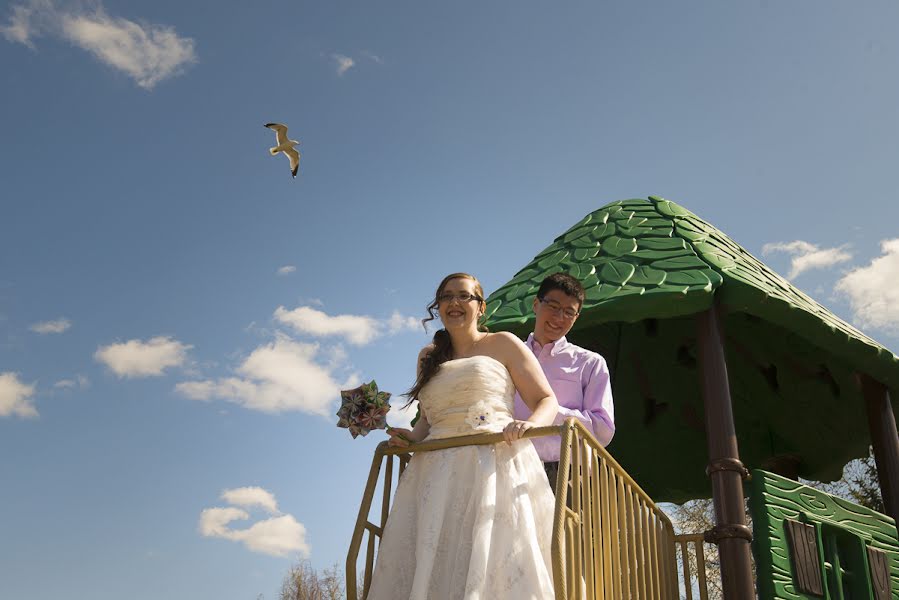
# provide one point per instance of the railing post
(725, 469)
(361, 520)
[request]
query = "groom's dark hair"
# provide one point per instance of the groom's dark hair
(564, 282)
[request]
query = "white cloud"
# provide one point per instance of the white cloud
(148, 53)
(344, 63)
(278, 535)
(400, 416)
(807, 256)
(57, 326)
(277, 377)
(372, 56)
(80, 382)
(356, 329)
(135, 358)
(397, 323)
(872, 290)
(251, 496)
(286, 270)
(15, 397)
(20, 27)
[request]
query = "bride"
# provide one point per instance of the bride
(472, 522)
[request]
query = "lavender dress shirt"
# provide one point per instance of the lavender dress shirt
(580, 380)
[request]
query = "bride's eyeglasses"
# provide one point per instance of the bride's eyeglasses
(569, 313)
(462, 297)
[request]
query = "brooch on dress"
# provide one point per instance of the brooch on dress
(480, 415)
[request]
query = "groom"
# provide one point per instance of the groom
(579, 377)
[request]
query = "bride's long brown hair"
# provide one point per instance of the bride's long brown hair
(443, 344)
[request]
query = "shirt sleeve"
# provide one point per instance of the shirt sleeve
(598, 413)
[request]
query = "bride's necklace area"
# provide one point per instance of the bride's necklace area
(469, 352)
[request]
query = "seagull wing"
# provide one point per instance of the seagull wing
(294, 160)
(280, 131)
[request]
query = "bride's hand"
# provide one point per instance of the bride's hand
(399, 437)
(515, 430)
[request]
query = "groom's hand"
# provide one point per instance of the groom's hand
(515, 430)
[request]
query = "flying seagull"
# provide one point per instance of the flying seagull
(286, 146)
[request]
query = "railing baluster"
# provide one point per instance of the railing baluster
(388, 484)
(624, 534)
(607, 532)
(369, 563)
(700, 569)
(588, 538)
(618, 568)
(652, 545)
(596, 517)
(640, 549)
(647, 549)
(571, 574)
(688, 584)
(577, 543)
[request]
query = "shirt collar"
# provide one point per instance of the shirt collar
(554, 347)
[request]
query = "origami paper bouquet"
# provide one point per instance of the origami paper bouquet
(363, 409)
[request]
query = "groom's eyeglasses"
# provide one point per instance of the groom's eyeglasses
(462, 297)
(569, 313)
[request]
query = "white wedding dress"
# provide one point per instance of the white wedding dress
(474, 522)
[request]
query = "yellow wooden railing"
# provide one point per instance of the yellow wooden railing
(610, 541)
(691, 557)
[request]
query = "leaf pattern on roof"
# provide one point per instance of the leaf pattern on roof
(619, 252)
(653, 258)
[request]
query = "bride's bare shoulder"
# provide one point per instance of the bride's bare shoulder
(505, 346)
(504, 339)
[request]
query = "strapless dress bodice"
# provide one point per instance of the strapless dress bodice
(466, 396)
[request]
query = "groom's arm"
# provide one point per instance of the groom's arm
(597, 411)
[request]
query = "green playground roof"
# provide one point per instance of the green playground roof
(647, 267)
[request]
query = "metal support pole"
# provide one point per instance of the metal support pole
(882, 425)
(725, 469)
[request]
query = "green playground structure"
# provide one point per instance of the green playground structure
(719, 366)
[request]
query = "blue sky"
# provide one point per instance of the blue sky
(177, 313)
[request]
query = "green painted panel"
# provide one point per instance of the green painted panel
(680, 262)
(551, 249)
(579, 232)
(644, 275)
(585, 253)
(525, 275)
(592, 241)
(774, 499)
(653, 255)
(654, 222)
(662, 232)
(618, 246)
(668, 208)
(552, 261)
(633, 232)
(617, 272)
(623, 215)
(579, 270)
(603, 291)
(691, 278)
(662, 244)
